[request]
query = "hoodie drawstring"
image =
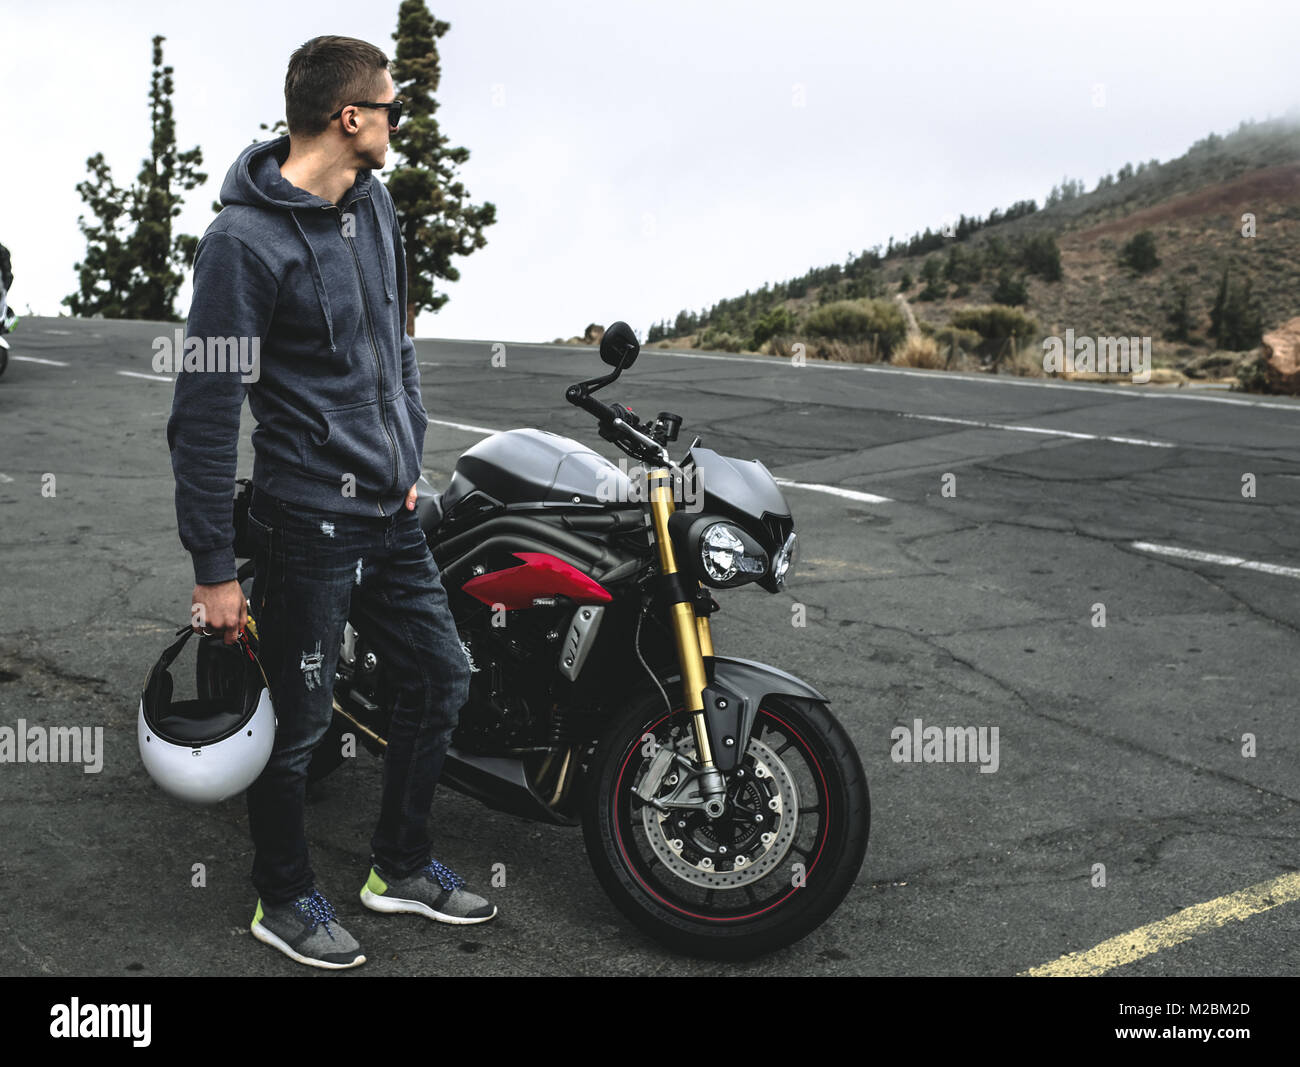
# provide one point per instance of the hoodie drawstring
(389, 268)
(318, 279)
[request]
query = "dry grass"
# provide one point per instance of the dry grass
(1025, 362)
(919, 351)
(831, 351)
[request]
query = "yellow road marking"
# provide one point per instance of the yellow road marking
(1181, 926)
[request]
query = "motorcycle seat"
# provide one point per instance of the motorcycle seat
(428, 509)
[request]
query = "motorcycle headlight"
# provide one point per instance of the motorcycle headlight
(783, 564)
(724, 556)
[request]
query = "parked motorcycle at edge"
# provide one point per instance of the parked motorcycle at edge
(7, 321)
(724, 809)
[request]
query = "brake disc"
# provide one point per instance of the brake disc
(747, 842)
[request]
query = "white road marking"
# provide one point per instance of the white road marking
(464, 426)
(1042, 430)
(147, 377)
(59, 333)
(835, 490)
(34, 359)
(5, 478)
(1215, 557)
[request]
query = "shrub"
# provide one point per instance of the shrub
(878, 321)
(995, 253)
(954, 342)
(718, 340)
(1139, 253)
(1039, 255)
(1010, 291)
(776, 320)
(1252, 376)
(919, 351)
(1001, 329)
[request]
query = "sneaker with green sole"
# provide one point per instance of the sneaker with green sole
(307, 930)
(434, 891)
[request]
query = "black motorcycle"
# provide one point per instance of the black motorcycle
(724, 808)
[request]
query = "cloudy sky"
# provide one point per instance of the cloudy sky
(649, 157)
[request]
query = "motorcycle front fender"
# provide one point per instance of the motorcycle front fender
(732, 699)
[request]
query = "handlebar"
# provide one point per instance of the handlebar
(603, 412)
(616, 425)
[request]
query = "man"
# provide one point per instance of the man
(304, 268)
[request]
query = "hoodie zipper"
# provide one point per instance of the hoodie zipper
(374, 348)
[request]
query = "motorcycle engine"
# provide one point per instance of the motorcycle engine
(514, 667)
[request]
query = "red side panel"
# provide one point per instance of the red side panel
(540, 575)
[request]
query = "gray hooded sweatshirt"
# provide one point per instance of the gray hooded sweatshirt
(317, 291)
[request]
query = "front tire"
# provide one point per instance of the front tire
(773, 868)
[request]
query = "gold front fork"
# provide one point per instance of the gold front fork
(692, 634)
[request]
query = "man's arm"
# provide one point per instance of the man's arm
(410, 365)
(234, 296)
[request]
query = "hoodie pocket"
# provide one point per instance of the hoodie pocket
(356, 445)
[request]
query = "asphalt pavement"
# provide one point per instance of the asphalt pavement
(1108, 576)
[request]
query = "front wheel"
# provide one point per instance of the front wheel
(771, 869)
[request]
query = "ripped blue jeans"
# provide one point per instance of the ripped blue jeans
(316, 571)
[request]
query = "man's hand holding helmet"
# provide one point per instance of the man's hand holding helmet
(219, 609)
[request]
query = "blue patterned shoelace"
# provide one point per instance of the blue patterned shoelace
(446, 877)
(316, 910)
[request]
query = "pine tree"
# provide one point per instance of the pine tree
(138, 276)
(436, 218)
(158, 255)
(1139, 253)
(1236, 323)
(1040, 255)
(104, 276)
(1010, 291)
(1178, 316)
(932, 274)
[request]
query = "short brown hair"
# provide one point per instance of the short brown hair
(325, 74)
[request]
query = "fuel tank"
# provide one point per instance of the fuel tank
(531, 467)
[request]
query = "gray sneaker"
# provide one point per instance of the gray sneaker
(307, 931)
(435, 892)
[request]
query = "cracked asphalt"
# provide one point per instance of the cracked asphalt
(968, 600)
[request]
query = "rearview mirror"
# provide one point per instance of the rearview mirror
(619, 346)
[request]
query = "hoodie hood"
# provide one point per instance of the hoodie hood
(254, 180)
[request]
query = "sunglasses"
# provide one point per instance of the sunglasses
(394, 111)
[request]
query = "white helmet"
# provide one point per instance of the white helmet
(208, 749)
